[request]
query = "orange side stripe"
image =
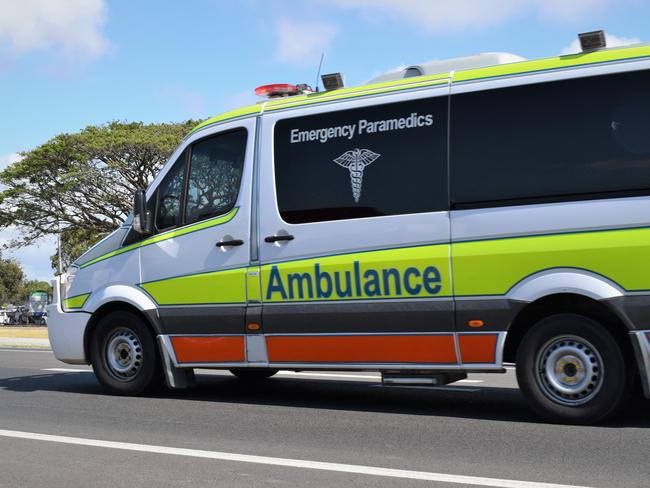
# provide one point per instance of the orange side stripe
(193, 349)
(477, 348)
(362, 349)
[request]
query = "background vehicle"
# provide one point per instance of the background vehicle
(18, 315)
(37, 307)
(424, 227)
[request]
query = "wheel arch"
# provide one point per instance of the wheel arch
(149, 318)
(558, 303)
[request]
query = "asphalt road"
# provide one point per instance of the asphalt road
(57, 429)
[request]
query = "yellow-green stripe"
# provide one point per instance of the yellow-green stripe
(561, 62)
(480, 268)
(167, 235)
(228, 286)
(76, 301)
(493, 267)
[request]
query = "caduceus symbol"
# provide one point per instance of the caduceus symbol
(356, 161)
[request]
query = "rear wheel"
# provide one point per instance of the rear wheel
(253, 374)
(124, 355)
(571, 370)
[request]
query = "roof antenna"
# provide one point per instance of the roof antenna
(320, 65)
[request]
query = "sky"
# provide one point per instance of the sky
(66, 64)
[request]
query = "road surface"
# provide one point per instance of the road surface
(57, 429)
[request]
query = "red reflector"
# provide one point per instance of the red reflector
(276, 90)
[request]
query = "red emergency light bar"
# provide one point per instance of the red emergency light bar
(276, 90)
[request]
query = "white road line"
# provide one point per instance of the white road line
(25, 341)
(290, 463)
(15, 349)
(67, 370)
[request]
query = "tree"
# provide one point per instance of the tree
(74, 242)
(11, 280)
(84, 182)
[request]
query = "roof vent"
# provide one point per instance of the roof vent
(412, 72)
(445, 66)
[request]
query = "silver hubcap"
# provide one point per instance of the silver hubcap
(124, 354)
(569, 370)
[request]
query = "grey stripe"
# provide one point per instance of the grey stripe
(202, 320)
(372, 317)
(550, 218)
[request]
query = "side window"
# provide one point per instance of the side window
(374, 161)
(170, 192)
(215, 174)
(562, 140)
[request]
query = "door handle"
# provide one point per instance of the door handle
(232, 242)
(284, 237)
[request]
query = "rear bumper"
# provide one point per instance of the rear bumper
(66, 331)
(641, 343)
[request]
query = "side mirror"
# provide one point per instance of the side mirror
(141, 218)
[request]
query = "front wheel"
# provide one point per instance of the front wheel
(124, 356)
(571, 370)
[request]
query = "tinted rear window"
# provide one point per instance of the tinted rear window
(559, 140)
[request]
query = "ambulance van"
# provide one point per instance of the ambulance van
(424, 226)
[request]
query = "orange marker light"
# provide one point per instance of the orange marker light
(253, 326)
(476, 323)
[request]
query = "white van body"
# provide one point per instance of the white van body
(352, 232)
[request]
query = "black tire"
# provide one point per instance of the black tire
(551, 375)
(253, 374)
(125, 335)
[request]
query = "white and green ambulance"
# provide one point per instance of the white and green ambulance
(424, 227)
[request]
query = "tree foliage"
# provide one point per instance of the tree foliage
(14, 288)
(74, 242)
(11, 281)
(83, 182)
